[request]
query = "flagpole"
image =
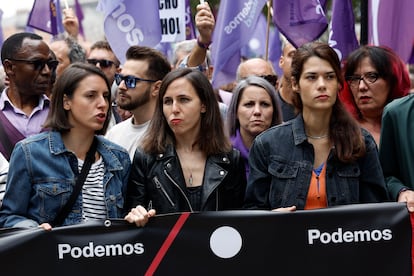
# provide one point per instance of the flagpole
(269, 7)
(364, 23)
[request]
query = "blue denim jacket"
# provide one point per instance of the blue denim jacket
(281, 163)
(43, 173)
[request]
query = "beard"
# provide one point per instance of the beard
(137, 102)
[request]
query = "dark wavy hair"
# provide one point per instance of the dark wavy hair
(389, 67)
(158, 64)
(233, 123)
(211, 139)
(66, 84)
(344, 131)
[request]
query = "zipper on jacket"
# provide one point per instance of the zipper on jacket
(159, 186)
(181, 190)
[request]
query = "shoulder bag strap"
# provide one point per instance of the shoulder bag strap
(90, 158)
(5, 140)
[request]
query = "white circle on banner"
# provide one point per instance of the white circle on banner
(225, 242)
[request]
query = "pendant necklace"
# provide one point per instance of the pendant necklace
(190, 179)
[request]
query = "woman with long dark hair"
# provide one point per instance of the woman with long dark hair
(185, 162)
(322, 157)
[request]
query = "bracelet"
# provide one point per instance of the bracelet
(202, 45)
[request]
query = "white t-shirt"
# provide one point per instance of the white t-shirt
(127, 135)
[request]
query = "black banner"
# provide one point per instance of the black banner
(368, 239)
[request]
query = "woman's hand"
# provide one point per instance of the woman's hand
(407, 196)
(139, 215)
(285, 209)
(46, 226)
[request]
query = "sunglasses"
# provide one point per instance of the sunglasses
(103, 63)
(130, 81)
(39, 64)
(270, 78)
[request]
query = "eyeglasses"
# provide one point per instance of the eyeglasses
(39, 64)
(270, 78)
(103, 63)
(130, 81)
(368, 78)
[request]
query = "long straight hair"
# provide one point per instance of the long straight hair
(344, 130)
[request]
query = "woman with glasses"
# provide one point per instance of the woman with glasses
(375, 76)
(185, 162)
(254, 108)
(46, 169)
(322, 157)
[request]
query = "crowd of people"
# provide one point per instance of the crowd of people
(84, 137)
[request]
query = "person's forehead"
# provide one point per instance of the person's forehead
(135, 67)
(33, 47)
(101, 53)
(256, 68)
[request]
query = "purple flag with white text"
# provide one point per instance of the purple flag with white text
(236, 22)
(300, 21)
(391, 23)
(342, 35)
(130, 22)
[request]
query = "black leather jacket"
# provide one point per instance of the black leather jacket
(157, 181)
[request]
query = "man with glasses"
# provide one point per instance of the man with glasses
(138, 84)
(29, 66)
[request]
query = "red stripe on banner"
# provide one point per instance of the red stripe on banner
(412, 242)
(167, 243)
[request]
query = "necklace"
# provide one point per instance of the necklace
(190, 179)
(317, 137)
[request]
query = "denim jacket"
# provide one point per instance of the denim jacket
(42, 176)
(157, 181)
(281, 163)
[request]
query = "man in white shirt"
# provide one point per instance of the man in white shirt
(138, 84)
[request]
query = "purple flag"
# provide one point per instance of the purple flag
(275, 50)
(56, 17)
(130, 22)
(342, 29)
(256, 47)
(391, 23)
(46, 16)
(236, 22)
(79, 15)
(39, 17)
(300, 21)
(1, 29)
(189, 24)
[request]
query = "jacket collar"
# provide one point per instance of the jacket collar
(57, 147)
(170, 152)
(298, 128)
(214, 173)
